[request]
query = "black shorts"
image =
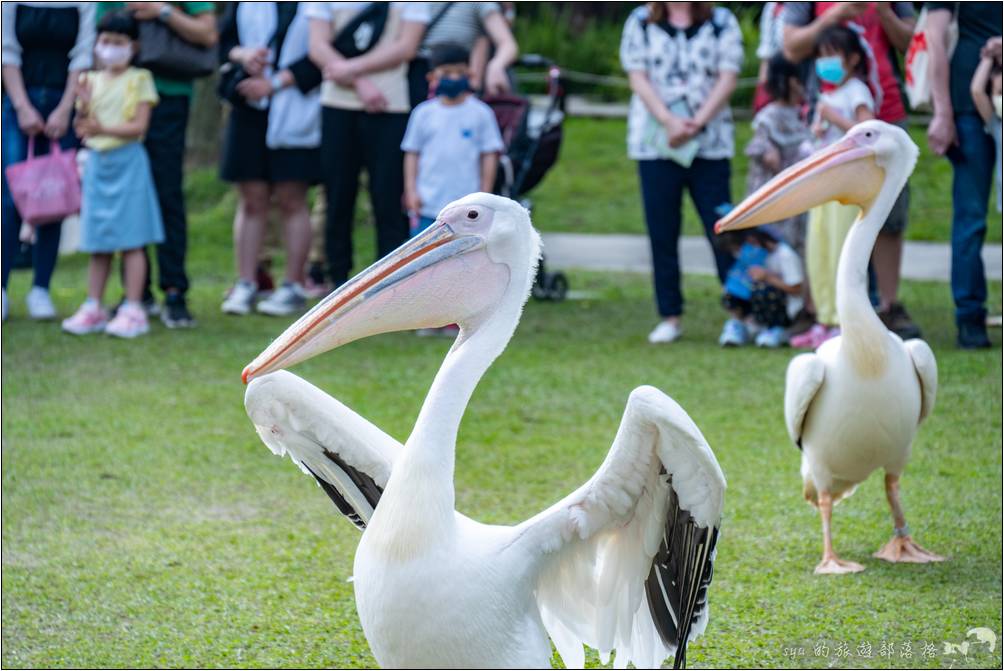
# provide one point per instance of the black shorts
(246, 157)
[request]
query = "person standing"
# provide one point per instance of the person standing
(46, 45)
(271, 144)
(957, 132)
(683, 61)
(886, 27)
(363, 49)
(194, 22)
(465, 24)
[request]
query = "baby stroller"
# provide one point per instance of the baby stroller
(532, 138)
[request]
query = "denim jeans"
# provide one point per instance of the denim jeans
(662, 184)
(14, 150)
(972, 175)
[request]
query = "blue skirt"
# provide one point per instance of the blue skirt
(119, 210)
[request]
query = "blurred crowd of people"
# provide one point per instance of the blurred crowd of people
(824, 67)
(319, 92)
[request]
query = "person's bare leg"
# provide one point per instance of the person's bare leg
(831, 564)
(249, 227)
(97, 275)
(887, 257)
(134, 273)
(292, 201)
(901, 548)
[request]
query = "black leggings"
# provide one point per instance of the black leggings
(767, 305)
(350, 140)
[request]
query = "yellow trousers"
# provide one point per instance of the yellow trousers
(828, 227)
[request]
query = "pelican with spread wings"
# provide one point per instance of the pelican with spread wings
(621, 564)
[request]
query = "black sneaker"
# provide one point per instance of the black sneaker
(973, 336)
(176, 314)
(898, 320)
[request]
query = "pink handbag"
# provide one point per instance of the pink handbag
(46, 189)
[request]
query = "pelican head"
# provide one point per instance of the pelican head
(851, 171)
(481, 249)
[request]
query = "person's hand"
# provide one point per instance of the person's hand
(253, 60)
(83, 93)
(680, 130)
(58, 122)
(846, 11)
(254, 89)
(87, 126)
(994, 48)
(884, 8)
(412, 202)
(145, 11)
(340, 71)
(826, 113)
(496, 79)
(757, 273)
(941, 134)
(772, 159)
(371, 96)
(29, 120)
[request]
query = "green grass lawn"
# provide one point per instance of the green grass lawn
(144, 524)
(594, 187)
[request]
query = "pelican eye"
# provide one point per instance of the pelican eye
(472, 214)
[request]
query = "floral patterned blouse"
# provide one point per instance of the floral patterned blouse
(683, 66)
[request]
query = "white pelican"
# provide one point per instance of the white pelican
(623, 562)
(854, 405)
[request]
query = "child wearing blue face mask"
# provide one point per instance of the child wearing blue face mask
(842, 68)
(452, 141)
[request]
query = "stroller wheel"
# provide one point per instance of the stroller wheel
(556, 285)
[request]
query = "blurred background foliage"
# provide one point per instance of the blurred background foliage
(586, 37)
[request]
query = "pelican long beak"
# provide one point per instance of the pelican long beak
(399, 292)
(845, 172)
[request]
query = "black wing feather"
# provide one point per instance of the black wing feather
(677, 585)
(367, 487)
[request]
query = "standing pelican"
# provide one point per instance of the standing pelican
(623, 562)
(854, 405)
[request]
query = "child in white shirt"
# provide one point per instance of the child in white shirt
(763, 291)
(452, 141)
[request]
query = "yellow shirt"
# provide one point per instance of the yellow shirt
(114, 101)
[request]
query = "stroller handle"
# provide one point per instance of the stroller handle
(534, 61)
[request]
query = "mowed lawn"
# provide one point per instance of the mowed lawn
(144, 524)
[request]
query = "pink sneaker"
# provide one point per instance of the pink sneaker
(812, 338)
(89, 318)
(130, 321)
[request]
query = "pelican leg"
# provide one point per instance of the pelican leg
(831, 563)
(902, 548)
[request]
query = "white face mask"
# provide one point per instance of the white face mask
(113, 55)
(997, 106)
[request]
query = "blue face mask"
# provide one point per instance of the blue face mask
(451, 88)
(830, 69)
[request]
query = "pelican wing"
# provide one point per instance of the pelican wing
(927, 372)
(804, 378)
(349, 457)
(627, 558)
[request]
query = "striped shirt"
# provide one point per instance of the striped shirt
(461, 24)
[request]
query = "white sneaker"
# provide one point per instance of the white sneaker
(40, 304)
(665, 332)
(6, 307)
(285, 300)
(241, 299)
